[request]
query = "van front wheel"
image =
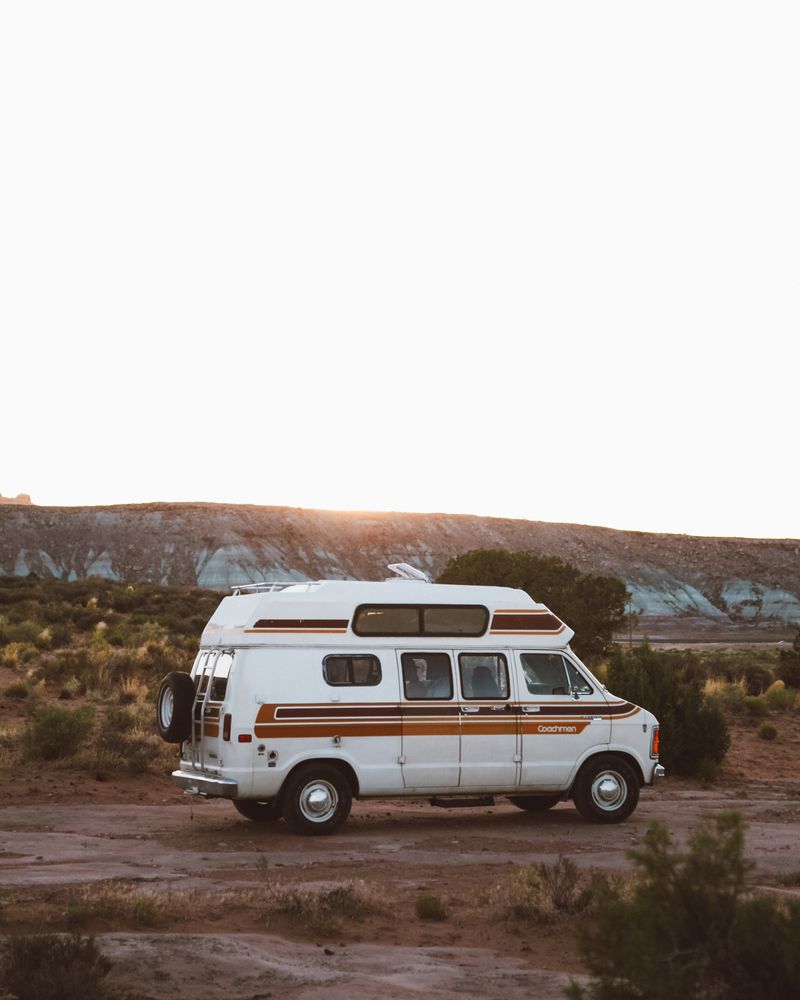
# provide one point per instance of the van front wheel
(316, 799)
(606, 790)
(259, 812)
(534, 803)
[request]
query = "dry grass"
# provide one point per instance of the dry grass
(118, 903)
(10, 746)
(544, 894)
(321, 911)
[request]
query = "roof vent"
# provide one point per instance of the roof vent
(406, 572)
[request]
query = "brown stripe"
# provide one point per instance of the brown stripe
(326, 730)
(542, 621)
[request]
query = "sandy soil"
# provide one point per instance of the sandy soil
(62, 832)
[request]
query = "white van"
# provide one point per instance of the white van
(306, 695)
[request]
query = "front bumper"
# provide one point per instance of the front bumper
(198, 783)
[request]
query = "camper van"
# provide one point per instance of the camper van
(305, 696)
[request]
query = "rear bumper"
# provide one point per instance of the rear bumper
(659, 772)
(197, 783)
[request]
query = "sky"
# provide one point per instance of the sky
(512, 259)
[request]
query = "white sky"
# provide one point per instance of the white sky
(518, 259)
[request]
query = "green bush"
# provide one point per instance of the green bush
(694, 733)
(757, 678)
(53, 967)
(688, 928)
(18, 690)
(779, 698)
(54, 732)
(755, 707)
(767, 731)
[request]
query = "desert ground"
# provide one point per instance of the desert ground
(77, 851)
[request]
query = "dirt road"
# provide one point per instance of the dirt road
(215, 938)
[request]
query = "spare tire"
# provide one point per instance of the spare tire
(174, 707)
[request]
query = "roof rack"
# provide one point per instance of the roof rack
(268, 587)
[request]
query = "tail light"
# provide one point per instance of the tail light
(654, 745)
(226, 728)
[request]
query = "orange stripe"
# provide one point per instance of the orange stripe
(520, 632)
(523, 611)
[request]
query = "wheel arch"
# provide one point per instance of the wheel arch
(347, 770)
(609, 755)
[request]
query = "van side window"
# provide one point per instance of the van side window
(427, 675)
(576, 679)
(421, 619)
(483, 675)
(351, 671)
(544, 673)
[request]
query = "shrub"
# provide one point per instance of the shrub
(544, 893)
(55, 732)
(670, 684)
(767, 731)
(429, 907)
(779, 698)
(16, 653)
(321, 911)
(757, 678)
(728, 694)
(18, 690)
(688, 929)
(54, 967)
(756, 707)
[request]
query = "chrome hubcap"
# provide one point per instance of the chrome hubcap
(318, 801)
(166, 709)
(609, 791)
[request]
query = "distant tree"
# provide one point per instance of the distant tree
(688, 927)
(593, 606)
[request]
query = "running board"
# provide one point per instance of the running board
(462, 803)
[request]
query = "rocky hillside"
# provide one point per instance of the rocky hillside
(680, 584)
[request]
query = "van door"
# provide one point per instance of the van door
(429, 721)
(489, 736)
(562, 715)
(211, 673)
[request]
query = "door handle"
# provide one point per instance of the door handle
(470, 709)
(531, 709)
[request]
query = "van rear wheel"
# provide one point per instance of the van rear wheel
(259, 812)
(606, 790)
(316, 799)
(534, 803)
